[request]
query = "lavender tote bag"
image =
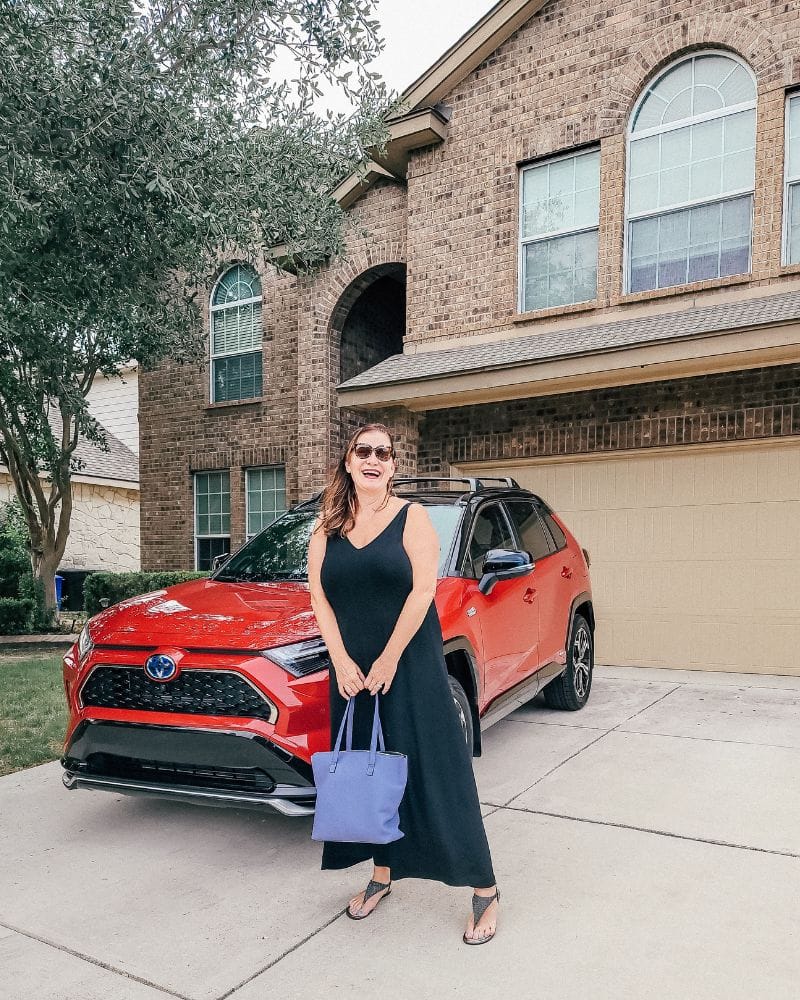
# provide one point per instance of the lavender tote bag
(359, 791)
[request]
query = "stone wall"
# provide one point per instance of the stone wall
(104, 528)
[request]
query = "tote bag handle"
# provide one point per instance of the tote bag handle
(376, 740)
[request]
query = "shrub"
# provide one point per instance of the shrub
(116, 587)
(21, 597)
(33, 590)
(16, 615)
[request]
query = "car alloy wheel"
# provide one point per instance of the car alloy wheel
(581, 660)
(569, 691)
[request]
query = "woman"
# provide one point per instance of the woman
(372, 570)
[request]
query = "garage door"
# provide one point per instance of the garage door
(695, 554)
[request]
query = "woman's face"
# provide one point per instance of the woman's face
(370, 474)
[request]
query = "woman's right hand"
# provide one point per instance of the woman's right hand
(349, 678)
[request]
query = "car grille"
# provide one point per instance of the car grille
(245, 779)
(193, 692)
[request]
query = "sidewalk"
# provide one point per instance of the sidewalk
(47, 640)
(647, 848)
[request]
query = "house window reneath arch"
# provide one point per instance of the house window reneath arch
(236, 335)
(690, 174)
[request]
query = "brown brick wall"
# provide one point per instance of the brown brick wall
(569, 77)
(181, 433)
(376, 246)
(736, 406)
(296, 422)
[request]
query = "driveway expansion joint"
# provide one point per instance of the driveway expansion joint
(279, 958)
(656, 833)
(95, 961)
(647, 707)
(709, 739)
(557, 766)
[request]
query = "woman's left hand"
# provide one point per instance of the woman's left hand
(381, 675)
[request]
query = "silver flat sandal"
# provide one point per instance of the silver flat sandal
(373, 887)
(480, 904)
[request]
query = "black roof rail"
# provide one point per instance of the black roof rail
(475, 483)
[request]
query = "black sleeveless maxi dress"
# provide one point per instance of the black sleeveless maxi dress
(444, 837)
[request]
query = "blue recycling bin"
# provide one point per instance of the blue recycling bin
(59, 585)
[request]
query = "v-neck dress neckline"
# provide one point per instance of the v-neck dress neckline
(360, 548)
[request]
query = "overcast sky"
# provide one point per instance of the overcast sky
(416, 33)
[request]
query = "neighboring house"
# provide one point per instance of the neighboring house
(578, 264)
(114, 402)
(104, 527)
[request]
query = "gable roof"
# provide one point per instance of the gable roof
(483, 38)
(421, 123)
(117, 463)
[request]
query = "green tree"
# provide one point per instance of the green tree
(139, 142)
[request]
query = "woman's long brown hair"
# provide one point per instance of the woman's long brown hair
(339, 498)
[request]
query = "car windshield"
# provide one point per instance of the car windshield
(280, 551)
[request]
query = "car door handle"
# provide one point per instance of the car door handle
(566, 572)
(529, 596)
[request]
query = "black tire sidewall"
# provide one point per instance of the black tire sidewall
(460, 695)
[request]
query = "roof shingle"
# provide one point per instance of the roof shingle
(582, 340)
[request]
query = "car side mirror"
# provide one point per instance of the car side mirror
(504, 564)
(219, 561)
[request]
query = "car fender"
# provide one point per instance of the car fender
(583, 598)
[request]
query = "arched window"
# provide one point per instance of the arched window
(236, 335)
(691, 166)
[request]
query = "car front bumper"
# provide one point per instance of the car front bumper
(204, 767)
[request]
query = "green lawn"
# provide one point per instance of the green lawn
(33, 711)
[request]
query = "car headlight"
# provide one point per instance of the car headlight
(85, 644)
(300, 658)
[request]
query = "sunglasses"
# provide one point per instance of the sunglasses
(383, 452)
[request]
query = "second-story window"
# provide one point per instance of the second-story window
(236, 336)
(559, 214)
(691, 169)
(791, 202)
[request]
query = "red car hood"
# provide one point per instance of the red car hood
(209, 615)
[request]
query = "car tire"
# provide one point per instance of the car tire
(570, 690)
(464, 710)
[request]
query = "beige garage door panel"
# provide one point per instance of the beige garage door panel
(695, 554)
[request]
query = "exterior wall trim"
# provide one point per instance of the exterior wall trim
(475, 468)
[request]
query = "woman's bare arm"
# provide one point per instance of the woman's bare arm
(349, 677)
(422, 547)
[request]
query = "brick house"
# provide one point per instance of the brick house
(577, 264)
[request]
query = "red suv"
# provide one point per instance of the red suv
(216, 690)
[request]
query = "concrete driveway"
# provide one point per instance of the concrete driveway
(648, 846)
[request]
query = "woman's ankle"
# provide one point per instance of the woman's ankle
(381, 874)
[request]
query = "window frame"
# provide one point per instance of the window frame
(549, 522)
(672, 127)
(468, 542)
(546, 533)
(195, 535)
(247, 472)
(212, 308)
(555, 234)
(787, 182)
